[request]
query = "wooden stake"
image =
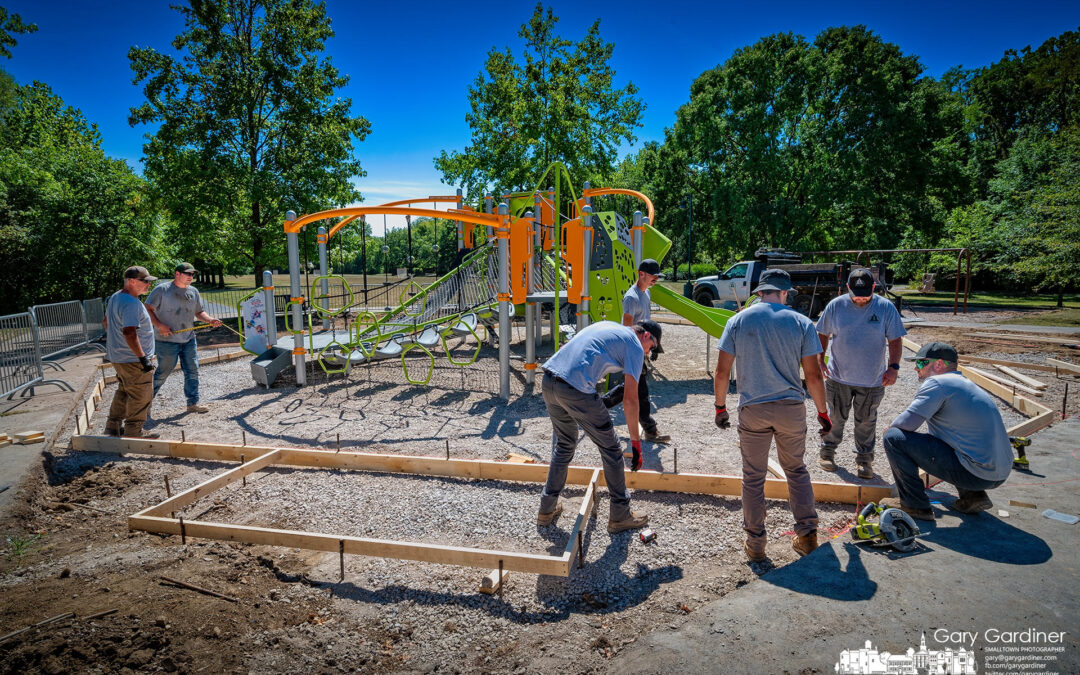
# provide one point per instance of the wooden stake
(243, 478)
(183, 436)
(199, 589)
(1064, 397)
(168, 490)
(244, 436)
(341, 558)
(339, 442)
(448, 448)
(183, 532)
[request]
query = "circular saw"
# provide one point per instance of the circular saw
(893, 528)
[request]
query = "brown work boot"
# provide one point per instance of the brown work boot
(753, 553)
(653, 437)
(112, 431)
(135, 430)
(635, 521)
(196, 408)
(543, 519)
(827, 461)
(804, 544)
(917, 514)
(972, 502)
(866, 471)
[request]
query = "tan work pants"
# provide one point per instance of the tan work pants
(131, 404)
(758, 426)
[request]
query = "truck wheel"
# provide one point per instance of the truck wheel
(704, 296)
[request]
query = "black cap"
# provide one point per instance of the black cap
(649, 266)
(656, 331)
(935, 351)
(186, 268)
(140, 273)
(861, 283)
(774, 280)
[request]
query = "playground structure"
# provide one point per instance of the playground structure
(535, 248)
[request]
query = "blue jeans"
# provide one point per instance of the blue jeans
(168, 353)
(908, 451)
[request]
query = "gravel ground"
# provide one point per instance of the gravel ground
(392, 615)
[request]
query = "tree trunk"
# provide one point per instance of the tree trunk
(1061, 299)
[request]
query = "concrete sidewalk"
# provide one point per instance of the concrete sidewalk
(973, 580)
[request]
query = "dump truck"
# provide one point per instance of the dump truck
(813, 284)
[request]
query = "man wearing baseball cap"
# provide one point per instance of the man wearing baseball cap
(569, 389)
(129, 346)
(967, 444)
(768, 342)
(636, 307)
(861, 327)
(174, 306)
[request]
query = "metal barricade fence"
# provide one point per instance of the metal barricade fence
(20, 356)
(94, 311)
(61, 327)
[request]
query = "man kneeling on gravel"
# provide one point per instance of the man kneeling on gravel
(967, 446)
(569, 388)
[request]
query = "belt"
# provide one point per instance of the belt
(548, 373)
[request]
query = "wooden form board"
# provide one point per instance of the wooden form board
(1070, 368)
(1029, 381)
(89, 406)
(153, 519)
(1005, 382)
(1012, 364)
(1063, 340)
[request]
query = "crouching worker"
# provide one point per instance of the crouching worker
(569, 389)
(967, 444)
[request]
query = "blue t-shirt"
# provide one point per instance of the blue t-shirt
(768, 341)
(960, 413)
(858, 351)
(123, 312)
(635, 302)
(600, 349)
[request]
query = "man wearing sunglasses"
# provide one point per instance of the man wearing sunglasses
(174, 306)
(129, 346)
(569, 388)
(769, 342)
(967, 444)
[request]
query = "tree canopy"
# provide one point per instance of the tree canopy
(248, 125)
(556, 103)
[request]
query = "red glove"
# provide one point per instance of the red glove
(722, 419)
(825, 422)
(636, 462)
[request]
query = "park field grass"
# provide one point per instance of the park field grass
(1059, 317)
(1000, 300)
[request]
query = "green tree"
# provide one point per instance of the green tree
(248, 126)
(833, 144)
(558, 102)
(71, 219)
(10, 26)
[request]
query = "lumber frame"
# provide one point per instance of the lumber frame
(1058, 366)
(1029, 381)
(1012, 364)
(153, 518)
(1015, 386)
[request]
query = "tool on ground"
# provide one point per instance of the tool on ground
(648, 535)
(894, 528)
(1019, 443)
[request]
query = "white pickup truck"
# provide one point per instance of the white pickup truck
(814, 284)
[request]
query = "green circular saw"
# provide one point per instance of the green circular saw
(893, 528)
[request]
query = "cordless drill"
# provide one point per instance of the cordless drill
(1019, 443)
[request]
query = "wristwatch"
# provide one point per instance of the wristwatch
(894, 366)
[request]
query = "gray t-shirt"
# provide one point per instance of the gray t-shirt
(600, 349)
(635, 302)
(176, 308)
(123, 312)
(960, 413)
(768, 341)
(858, 351)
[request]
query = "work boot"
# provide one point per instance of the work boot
(753, 553)
(635, 521)
(917, 514)
(543, 519)
(866, 471)
(804, 544)
(196, 408)
(135, 430)
(972, 502)
(827, 460)
(112, 431)
(653, 437)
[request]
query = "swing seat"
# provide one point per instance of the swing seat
(428, 338)
(465, 326)
(392, 348)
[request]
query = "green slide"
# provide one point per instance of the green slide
(707, 319)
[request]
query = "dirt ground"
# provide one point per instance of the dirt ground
(68, 549)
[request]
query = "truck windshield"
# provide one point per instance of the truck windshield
(736, 271)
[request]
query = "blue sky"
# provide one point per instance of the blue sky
(410, 63)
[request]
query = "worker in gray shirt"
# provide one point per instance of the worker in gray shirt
(857, 328)
(569, 389)
(967, 446)
(636, 308)
(174, 306)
